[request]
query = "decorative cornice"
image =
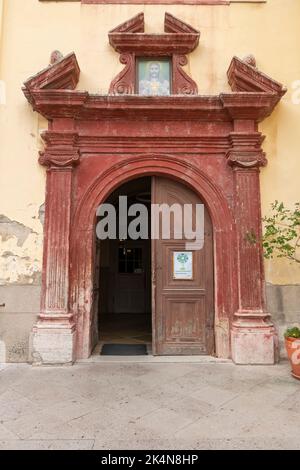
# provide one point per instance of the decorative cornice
(81, 105)
(246, 140)
(244, 76)
(250, 105)
(51, 92)
(134, 25)
(65, 139)
(62, 73)
(176, 26)
(129, 37)
(188, 144)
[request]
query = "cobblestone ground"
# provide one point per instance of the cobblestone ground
(149, 406)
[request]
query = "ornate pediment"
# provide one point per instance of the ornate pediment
(62, 74)
(243, 75)
(52, 92)
(130, 40)
(178, 38)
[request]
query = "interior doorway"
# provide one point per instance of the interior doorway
(124, 272)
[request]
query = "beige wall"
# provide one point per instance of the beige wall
(30, 30)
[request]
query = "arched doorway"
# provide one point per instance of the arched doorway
(155, 292)
(83, 242)
(96, 142)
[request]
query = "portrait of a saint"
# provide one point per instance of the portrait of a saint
(154, 78)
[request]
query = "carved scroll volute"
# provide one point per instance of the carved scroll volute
(124, 83)
(182, 83)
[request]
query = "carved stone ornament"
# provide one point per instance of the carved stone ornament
(56, 56)
(244, 76)
(131, 42)
(61, 150)
(62, 73)
(246, 159)
(61, 160)
(246, 151)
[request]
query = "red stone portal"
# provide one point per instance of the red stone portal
(96, 143)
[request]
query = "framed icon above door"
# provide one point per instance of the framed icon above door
(154, 77)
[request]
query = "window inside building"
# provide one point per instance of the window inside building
(130, 260)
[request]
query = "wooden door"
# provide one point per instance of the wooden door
(183, 309)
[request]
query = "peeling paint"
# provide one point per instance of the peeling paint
(11, 228)
(42, 214)
(20, 253)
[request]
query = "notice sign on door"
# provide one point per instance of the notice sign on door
(183, 265)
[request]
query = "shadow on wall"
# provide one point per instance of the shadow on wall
(284, 306)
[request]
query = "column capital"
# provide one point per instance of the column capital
(60, 159)
(240, 158)
(62, 149)
(246, 151)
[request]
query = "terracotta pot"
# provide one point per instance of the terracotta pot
(293, 350)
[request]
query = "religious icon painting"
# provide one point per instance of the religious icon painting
(154, 77)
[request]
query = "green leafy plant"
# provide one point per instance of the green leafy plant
(292, 332)
(281, 236)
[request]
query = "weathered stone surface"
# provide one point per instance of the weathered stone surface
(149, 406)
(284, 305)
(14, 333)
(18, 313)
(52, 346)
(20, 253)
(253, 346)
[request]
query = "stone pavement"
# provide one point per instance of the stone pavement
(149, 406)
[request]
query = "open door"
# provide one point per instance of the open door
(182, 303)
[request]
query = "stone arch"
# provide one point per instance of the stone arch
(82, 240)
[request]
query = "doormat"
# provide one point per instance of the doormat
(124, 350)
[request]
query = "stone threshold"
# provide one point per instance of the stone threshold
(96, 358)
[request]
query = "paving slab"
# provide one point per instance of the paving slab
(149, 405)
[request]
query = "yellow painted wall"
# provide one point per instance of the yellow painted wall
(32, 29)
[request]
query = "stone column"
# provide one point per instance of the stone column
(253, 337)
(53, 339)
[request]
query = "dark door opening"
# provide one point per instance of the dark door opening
(160, 293)
(124, 296)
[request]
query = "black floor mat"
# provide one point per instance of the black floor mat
(124, 350)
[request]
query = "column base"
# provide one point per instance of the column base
(254, 339)
(52, 344)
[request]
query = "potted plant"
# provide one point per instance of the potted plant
(292, 344)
